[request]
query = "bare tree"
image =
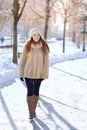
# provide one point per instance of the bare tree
(48, 8)
(17, 13)
(47, 16)
(83, 18)
(42, 11)
(67, 11)
(5, 13)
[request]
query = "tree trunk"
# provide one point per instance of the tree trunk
(46, 27)
(15, 22)
(47, 18)
(16, 15)
(64, 33)
(15, 53)
(74, 36)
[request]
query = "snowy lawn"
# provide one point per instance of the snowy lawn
(63, 97)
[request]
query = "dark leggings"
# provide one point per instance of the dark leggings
(33, 86)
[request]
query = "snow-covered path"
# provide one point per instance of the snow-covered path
(63, 97)
(62, 104)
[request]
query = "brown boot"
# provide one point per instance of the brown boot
(35, 104)
(30, 102)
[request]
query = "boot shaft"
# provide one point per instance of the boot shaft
(30, 103)
(35, 104)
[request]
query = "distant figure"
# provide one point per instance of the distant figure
(2, 39)
(34, 67)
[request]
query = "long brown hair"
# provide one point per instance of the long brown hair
(45, 47)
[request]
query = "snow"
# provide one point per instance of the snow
(63, 97)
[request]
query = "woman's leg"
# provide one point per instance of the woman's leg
(30, 98)
(37, 83)
(30, 86)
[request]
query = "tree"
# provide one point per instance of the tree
(47, 16)
(83, 18)
(42, 10)
(4, 13)
(78, 22)
(48, 9)
(17, 12)
(67, 12)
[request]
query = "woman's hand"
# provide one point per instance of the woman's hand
(21, 79)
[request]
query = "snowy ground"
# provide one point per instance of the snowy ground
(63, 97)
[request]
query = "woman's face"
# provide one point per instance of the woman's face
(36, 37)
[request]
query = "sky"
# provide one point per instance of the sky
(63, 96)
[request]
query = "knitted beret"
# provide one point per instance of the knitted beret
(34, 31)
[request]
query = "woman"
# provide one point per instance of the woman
(34, 67)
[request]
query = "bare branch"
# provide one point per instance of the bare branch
(36, 12)
(22, 9)
(53, 2)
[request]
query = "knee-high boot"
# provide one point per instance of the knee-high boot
(30, 102)
(35, 104)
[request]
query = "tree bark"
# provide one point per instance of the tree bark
(64, 33)
(16, 16)
(15, 53)
(47, 18)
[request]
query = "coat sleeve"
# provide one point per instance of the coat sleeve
(22, 63)
(45, 71)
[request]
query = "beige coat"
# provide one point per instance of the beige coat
(35, 65)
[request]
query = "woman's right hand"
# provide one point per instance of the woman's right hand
(21, 79)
